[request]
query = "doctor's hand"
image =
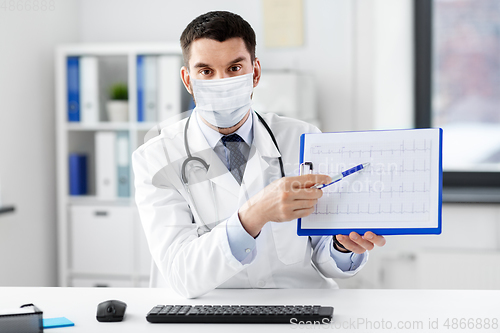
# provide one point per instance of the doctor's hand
(285, 199)
(359, 244)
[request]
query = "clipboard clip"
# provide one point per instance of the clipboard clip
(305, 165)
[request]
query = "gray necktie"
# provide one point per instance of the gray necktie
(237, 161)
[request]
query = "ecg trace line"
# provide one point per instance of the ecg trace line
(402, 168)
(401, 150)
(393, 172)
(380, 211)
(400, 190)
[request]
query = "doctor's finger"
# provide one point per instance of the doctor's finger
(375, 239)
(306, 193)
(301, 204)
(350, 244)
(306, 181)
(361, 241)
(299, 213)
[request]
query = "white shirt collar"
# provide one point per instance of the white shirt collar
(213, 137)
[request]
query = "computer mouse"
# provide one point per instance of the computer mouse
(111, 311)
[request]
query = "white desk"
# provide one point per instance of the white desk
(354, 309)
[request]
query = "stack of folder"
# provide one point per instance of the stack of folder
(112, 165)
(158, 87)
(83, 89)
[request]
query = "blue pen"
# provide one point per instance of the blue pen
(342, 175)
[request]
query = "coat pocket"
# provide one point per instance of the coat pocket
(290, 248)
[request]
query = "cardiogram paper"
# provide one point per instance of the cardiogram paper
(400, 189)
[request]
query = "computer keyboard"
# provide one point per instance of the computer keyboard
(244, 314)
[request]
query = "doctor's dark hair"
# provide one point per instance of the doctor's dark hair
(220, 26)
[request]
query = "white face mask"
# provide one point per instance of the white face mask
(223, 102)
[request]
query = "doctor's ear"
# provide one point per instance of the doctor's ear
(186, 79)
(257, 71)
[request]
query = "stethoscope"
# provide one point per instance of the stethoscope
(190, 158)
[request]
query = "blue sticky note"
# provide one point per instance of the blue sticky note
(57, 322)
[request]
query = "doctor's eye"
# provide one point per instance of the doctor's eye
(235, 68)
(206, 72)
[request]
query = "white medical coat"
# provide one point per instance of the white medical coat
(193, 261)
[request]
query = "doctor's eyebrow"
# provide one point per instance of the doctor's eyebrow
(237, 60)
(202, 64)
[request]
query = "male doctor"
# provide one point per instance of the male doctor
(216, 208)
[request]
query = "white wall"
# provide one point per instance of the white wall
(383, 58)
(360, 51)
(27, 140)
(327, 52)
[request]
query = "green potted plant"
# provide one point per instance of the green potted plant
(117, 106)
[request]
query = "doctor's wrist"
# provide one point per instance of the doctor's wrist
(250, 221)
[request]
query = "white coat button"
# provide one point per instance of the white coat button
(247, 250)
(261, 284)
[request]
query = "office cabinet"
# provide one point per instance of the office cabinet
(101, 241)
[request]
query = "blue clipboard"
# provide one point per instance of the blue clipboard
(419, 163)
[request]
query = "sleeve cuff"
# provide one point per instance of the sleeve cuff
(242, 245)
(346, 261)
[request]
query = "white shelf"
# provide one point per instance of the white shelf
(144, 126)
(118, 61)
(118, 49)
(91, 200)
(110, 126)
(102, 126)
